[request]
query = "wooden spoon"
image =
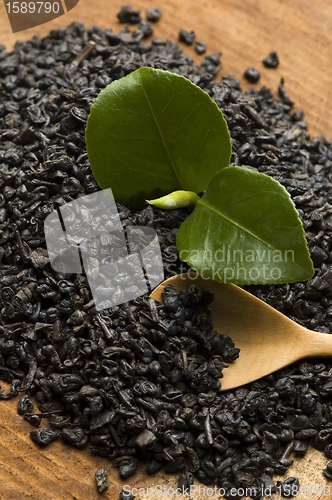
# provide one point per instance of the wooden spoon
(267, 339)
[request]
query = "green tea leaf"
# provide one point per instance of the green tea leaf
(154, 132)
(246, 230)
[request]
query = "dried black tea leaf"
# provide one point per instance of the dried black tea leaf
(200, 47)
(33, 419)
(271, 61)
(153, 14)
(102, 480)
(187, 37)
(25, 404)
(252, 75)
(128, 15)
(44, 436)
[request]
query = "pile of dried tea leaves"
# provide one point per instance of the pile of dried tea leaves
(128, 381)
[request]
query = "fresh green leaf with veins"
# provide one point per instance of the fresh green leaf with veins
(245, 229)
(154, 132)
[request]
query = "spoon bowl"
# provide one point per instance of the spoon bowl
(268, 340)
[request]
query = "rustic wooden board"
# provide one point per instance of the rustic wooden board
(245, 31)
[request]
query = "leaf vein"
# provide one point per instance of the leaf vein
(161, 135)
(208, 207)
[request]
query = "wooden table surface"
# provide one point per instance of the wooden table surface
(245, 31)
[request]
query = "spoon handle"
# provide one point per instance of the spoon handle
(315, 344)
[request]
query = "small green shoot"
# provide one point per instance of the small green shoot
(177, 199)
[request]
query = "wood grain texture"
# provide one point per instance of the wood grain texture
(245, 31)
